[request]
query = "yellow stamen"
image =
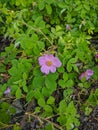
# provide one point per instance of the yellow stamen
(48, 63)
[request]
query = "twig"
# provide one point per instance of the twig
(6, 126)
(44, 119)
(23, 122)
(39, 31)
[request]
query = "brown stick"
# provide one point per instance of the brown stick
(23, 121)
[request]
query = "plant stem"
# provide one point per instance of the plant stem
(44, 119)
(39, 31)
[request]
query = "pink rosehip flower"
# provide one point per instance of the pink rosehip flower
(96, 56)
(7, 91)
(49, 63)
(87, 74)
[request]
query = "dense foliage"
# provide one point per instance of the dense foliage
(62, 28)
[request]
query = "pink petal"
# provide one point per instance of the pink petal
(53, 69)
(57, 62)
(96, 55)
(41, 60)
(81, 76)
(49, 56)
(89, 72)
(7, 91)
(88, 77)
(45, 69)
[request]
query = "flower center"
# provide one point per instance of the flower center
(49, 63)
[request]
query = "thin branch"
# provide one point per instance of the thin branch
(6, 126)
(44, 119)
(23, 122)
(39, 31)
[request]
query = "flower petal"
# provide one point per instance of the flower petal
(89, 72)
(45, 69)
(96, 56)
(7, 91)
(88, 77)
(41, 60)
(82, 75)
(57, 62)
(53, 69)
(49, 63)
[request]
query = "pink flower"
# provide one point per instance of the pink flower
(68, 27)
(87, 74)
(96, 56)
(7, 91)
(49, 63)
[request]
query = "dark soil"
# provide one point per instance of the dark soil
(4, 42)
(86, 122)
(89, 122)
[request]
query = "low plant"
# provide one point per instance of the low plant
(48, 60)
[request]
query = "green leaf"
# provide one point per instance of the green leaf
(16, 127)
(52, 76)
(18, 93)
(30, 95)
(88, 110)
(62, 107)
(37, 94)
(65, 76)
(37, 109)
(69, 83)
(61, 69)
(37, 72)
(24, 76)
(48, 108)
(87, 85)
(49, 127)
(41, 4)
(62, 120)
(2, 125)
(83, 13)
(5, 105)
(78, 8)
(2, 68)
(38, 82)
(69, 123)
(80, 85)
(46, 92)
(51, 100)
(75, 68)
(50, 82)
(39, 23)
(25, 88)
(26, 42)
(41, 102)
(86, 6)
(69, 67)
(49, 9)
(41, 45)
(62, 83)
(71, 108)
(73, 60)
(4, 114)
(4, 109)
(95, 69)
(67, 93)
